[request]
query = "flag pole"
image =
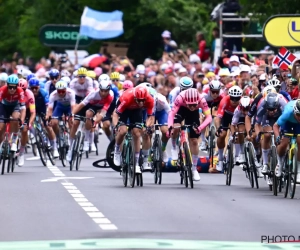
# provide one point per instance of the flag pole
(77, 42)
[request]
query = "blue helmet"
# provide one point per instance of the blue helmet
(13, 79)
(53, 73)
(30, 76)
(34, 82)
(185, 83)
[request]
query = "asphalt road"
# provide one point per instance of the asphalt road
(51, 203)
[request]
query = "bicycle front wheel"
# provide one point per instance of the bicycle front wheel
(253, 167)
(41, 149)
(249, 173)
(131, 162)
(293, 174)
(79, 151)
(229, 163)
(158, 162)
(188, 163)
(211, 144)
(4, 155)
(273, 167)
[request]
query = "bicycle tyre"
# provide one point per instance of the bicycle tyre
(286, 175)
(11, 161)
(62, 148)
(40, 147)
(75, 150)
(229, 164)
(293, 174)
(110, 156)
(4, 156)
(211, 144)
(158, 161)
(79, 150)
(131, 163)
(189, 164)
(252, 154)
(124, 167)
(248, 165)
(273, 166)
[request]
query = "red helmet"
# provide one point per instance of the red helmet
(140, 92)
(23, 84)
(191, 96)
(127, 84)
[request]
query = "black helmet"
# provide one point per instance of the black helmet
(272, 101)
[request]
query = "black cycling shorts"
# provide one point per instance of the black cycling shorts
(7, 110)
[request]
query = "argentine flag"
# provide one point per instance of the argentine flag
(101, 25)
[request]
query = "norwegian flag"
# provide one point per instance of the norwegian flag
(284, 58)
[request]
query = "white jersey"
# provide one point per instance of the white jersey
(173, 94)
(47, 86)
(84, 89)
(67, 100)
(95, 84)
(162, 103)
(95, 99)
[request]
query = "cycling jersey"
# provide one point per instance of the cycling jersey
(29, 100)
(127, 101)
(82, 90)
(49, 87)
(67, 100)
(225, 107)
(162, 103)
(116, 92)
(17, 98)
(210, 101)
(173, 94)
(41, 101)
(253, 107)
(95, 84)
(286, 95)
(238, 116)
(288, 115)
(95, 99)
(180, 102)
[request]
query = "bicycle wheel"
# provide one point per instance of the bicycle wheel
(11, 161)
(249, 173)
(96, 140)
(157, 161)
(4, 155)
(229, 163)
(273, 166)
(75, 150)
(139, 180)
(62, 148)
(189, 164)
(124, 167)
(41, 148)
(286, 175)
(253, 167)
(211, 143)
(293, 174)
(110, 156)
(80, 152)
(131, 163)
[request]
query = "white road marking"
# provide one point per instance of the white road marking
(88, 207)
(33, 158)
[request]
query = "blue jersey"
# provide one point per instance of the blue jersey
(42, 85)
(41, 100)
(287, 115)
(286, 95)
(116, 92)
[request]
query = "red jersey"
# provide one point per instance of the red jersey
(127, 101)
(7, 99)
(225, 106)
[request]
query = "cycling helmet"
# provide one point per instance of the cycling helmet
(61, 85)
(103, 77)
(26, 73)
(140, 92)
(297, 107)
(23, 84)
(146, 84)
(3, 77)
(245, 102)
(191, 96)
(21, 72)
(115, 75)
(91, 74)
(82, 71)
(34, 82)
(105, 84)
(185, 83)
(274, 82)
(65, 72)
(12, 79)
(122, 78)
(98, 71)
(215, 85)
(235, 91)
(267, 90)
(30, 76)
(127, 84)
(272, 101)
(53, 73)
(66, 79)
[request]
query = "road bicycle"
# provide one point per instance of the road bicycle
(251, 162)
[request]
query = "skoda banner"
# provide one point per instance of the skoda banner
(283, 31)
(61, 35)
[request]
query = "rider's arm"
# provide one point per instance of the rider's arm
(78, 108)
(150, 121)
(31, 101)
(206, 112)
(174, 111)
(276, 129)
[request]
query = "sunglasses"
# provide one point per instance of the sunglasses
(12, 87)
(272, 109)
(140, 100)
(61, 91)
(115, 80)
(192, 105)
(54, 78)
(81, 76)
(215, 92)
(34, 88)
(104, 90)
(235, 99)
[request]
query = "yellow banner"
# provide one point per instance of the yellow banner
(283, 31)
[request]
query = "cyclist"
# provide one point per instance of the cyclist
(29, 119)
(184, 83)
(130, 107)
(50, 85)
(289, 122)
(91, 74)
(66, 79)
(106, 121)
(82, 86)
(97, 103)
(12, 104)
(126, 85)
(186, 107)
(115, 79)
(224, 118)
(3, 78)
(277, 85)
(65, 98)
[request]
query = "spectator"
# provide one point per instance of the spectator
(169, 45)
(216, 35)
(234, 61)
(202, 52)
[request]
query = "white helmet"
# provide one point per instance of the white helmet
(66, 79)
(3, 77)
(215, 84)
(185, 83)
(267, 90)
(21, 71)
(235, 91)
(26, 73)
(146, 84)
(122, 78)
(61, 85)
(65, 72)
(245, 101)
(104, 84)
(274, 82)
(103, 77)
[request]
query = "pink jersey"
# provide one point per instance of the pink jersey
(29, 100)
(180, 102)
